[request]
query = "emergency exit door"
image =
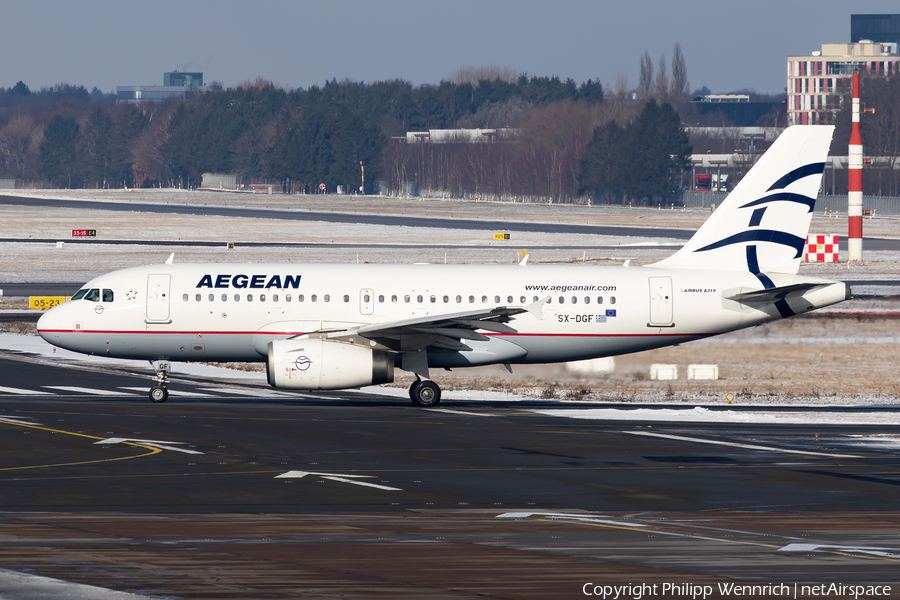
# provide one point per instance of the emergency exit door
(158, 298)
(660, 301)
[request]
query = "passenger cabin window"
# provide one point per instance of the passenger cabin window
(274, 297)
(197, 298)
(509, 299)
(394, 299)
(287, 298)
(612, 299)
(185, 297)
(224, 297)
(446, 299)
(212, 298)
(327, 298)
(433, 299)
(522, 300)
(249, 297)
(562, 300)
(471, 299)
(496, 299)
(107, 295)
(262, 297)
(380, 298)
(313, 298)
(459, 299)
(574, 299)
(79, 294)
(484, 299)
(406, 298)
(599, 299)
(587, 299)
(419, 299)
(237, 297)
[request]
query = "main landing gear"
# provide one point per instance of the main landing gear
(159, 393)
(425, 393)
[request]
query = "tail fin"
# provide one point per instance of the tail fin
(761, 226)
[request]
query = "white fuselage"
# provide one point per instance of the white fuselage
(230, 312)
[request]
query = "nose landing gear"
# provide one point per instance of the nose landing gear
(159, 393)
(425, 393)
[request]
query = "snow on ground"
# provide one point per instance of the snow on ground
(700, 414)
(35, 345)
(845, 359)
(24, 586)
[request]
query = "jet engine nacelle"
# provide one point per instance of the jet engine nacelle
(306, 364)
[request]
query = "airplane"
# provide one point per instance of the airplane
(340, 326)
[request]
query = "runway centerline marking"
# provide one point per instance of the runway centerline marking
(451, 411)
(246, 392)
(84, 390)
(341, 477)
(684, 438)
(891, 554)
(569, 517)
(21, 392)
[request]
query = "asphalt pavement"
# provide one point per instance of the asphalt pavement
(252, 491)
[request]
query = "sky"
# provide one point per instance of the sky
(727, 45)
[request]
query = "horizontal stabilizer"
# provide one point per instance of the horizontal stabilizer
(777, 293)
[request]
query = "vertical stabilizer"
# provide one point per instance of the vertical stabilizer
(761, 226)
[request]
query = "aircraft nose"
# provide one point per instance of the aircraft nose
(48, 323)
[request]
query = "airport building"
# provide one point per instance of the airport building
(175, 84)
(817, 83)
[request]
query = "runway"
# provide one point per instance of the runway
(235, 490)
(354, 218)
(871, 243)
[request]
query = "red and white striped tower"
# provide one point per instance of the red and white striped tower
(854, 197)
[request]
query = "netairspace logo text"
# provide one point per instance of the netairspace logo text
(689, 590)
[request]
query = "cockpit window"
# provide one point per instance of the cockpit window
(107, 295)
(93, 295)
(79, 294)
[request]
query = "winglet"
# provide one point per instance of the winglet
(171, 259)
(537, 308)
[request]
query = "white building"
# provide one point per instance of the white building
(816, 83)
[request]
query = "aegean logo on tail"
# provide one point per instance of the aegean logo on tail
(770, 235)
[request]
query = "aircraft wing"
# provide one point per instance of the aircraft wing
(445, 330)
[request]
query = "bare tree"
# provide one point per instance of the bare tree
(621, 86)
(19, 143)
(472, 75)
(681, 87)
(645, 82)
(662, 81)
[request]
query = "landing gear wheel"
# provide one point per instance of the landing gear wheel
(425, 394)
(159, 394)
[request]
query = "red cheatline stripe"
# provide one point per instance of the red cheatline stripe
(114, 332)
(107, 332)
